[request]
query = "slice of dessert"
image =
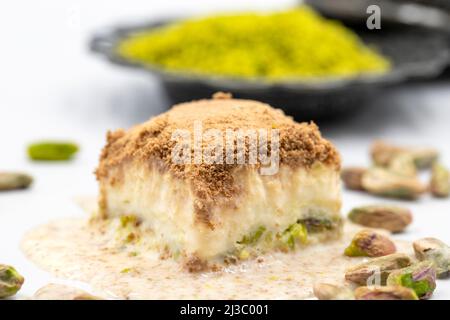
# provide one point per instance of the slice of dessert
(220, 180)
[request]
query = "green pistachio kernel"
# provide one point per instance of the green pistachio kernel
(295, 232)
(128, 220)
(440, 181)
(10, 281)
(52, 150)
(253, 237)
(367, 243)
(420, 277)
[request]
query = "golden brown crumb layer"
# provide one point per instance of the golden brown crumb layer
(301, 144)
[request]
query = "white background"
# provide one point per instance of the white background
(52, 87)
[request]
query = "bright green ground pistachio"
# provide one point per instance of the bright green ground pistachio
(420, 277)
(52, 150)
(440, 181)
(10, 281)
(292, 44)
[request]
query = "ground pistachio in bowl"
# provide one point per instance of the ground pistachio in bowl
(277, 46)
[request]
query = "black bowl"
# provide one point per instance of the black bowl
(433, 14)
(416, 53)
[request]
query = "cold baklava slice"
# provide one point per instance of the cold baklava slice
(222, 180)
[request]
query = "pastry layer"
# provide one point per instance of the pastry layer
(166, 205)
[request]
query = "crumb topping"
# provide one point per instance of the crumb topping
(301, 145)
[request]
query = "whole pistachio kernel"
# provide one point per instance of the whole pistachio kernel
(352, 177)
(434, 250)
(421, 277)
(368, 243)
(14, 180)
(52, 150)
(403, 165)
(383, 153)
(10, 281)
(377, 269)
(326, 291)
(385, 293)
(440, 181)
(382, 182)
(392, 218)
(62, 292)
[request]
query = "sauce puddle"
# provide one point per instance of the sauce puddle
(76, 250)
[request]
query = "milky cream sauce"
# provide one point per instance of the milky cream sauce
(76, 250)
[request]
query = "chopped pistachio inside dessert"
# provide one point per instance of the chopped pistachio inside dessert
(213, 212)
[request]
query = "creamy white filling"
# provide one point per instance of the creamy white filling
(165, 205)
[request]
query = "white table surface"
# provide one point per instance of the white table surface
(51, 87)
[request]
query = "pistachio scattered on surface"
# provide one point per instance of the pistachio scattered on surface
(440, 181)
(62, 292)
(295, 233)
(383, 153)
(403, 165)
(14, 180)
(377, 269)
(392, 218)
(382, 182)
(10, 281)
(421, 277)
(52, 150)
(385, 293)
(326, 291)
(253, 237)
(352, 177)
(368, 243)
(425, 157)
(434, 250)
